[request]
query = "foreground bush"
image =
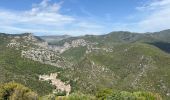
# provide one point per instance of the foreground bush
(108, 94)
(76, 96)
(134, 96)
(15, 91)
(102, 94)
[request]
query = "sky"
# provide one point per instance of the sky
(81, 17)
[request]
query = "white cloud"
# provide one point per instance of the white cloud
(154, 5)
(157, 15)
(44, 17)
(42, 13)
(151, 16)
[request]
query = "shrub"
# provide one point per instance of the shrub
(102, 94)
(134, 96)
(147, 96)
(76, 96)
(15, 91)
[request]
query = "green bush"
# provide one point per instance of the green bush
(102, 94)
(147, 96)
(76, 96)
(61, 93)
(15, 91)
(123, 95)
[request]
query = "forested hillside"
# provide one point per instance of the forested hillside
(88, 66)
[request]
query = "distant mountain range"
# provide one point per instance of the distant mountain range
(52, 39)
(121, 60)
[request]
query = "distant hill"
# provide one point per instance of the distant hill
(54, 39)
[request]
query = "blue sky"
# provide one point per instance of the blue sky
(80, 17)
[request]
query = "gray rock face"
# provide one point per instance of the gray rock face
(25, 40)
(44, 56)
(14, 43)
(92, 48)
(36, 50)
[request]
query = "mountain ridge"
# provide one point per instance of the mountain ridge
(118, 60)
